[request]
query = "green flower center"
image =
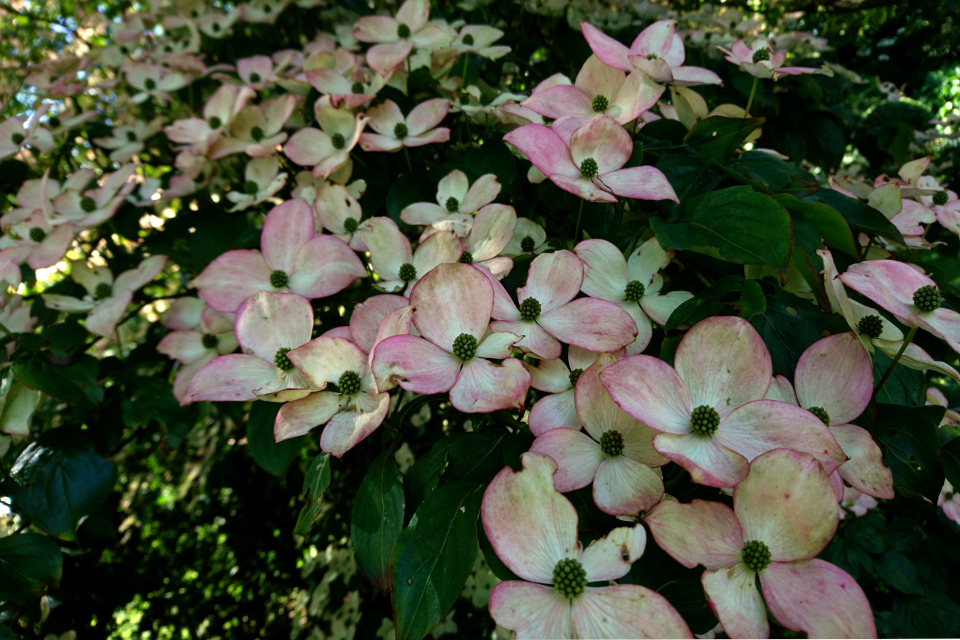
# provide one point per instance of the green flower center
(468, 40)
(267, 8)
(755, 555)
(465, 346)
(350, 225)
(88, 204)
(527, 245)
(215, 26)
(17, 138)
(466, 258)
(250, 188)
(927, 298)
(600, 103)
(338, 141)
(400, 131)
(452, 204)
(254, 77)
(652, 56)
(570, 578)
(150, 84)
(37, 234)
(257, 134)
(574, 376)
(635, 291)
(760, 55)
(103, 290)
(279, 279)
(871, 326)
(611, 443)
(589, 168)
(209, 341)
(349, 383)
(940, 198)
(408, 272)
(357, 87)
(131, 136)
(821, 413)
(530, 309)
(403, 31)
(54, 122)
(486, 98)
(214, 122)
(281, 360)
(705, 420)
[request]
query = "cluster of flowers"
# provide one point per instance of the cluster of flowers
(443, 323)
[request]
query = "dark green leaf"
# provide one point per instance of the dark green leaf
(769, 174)
(433, 558)
(830, 224)
(901, 574)
(377, 519)
(75, 384)
(272, 456)
(664, 129)
(950, 453)
(689, 173)
(422, 478)
(29, 563)
(6, 634)
(478, 456)
(736, 225)
(493, 157)
(404, 192)
(908, 439)
(862, 218)
(60, 479)
(315, 482)
(13, 173)
(904, 386)
(719, 137)
(731, 295)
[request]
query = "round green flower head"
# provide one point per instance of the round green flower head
(570, 578)
(400, 131)
(214, 122)
(574, 376)
(209, 341)
(821, 413)
(279, 279)
(589, 168)
(871, 326)
(486, 98)
(600, 104)
(635, 291)
(257, 134)
(350, 225)
(254, 77)
(611, 443)
(527, 245)
(927, 298)
(357, 87)
(755, 555)
(250, 188)
(760, 55)
(465, 346)
(103, 290)
(54, 122)
(17, 138)
(466, 258)
(705, 420)
(408, 272)
(338, 141)
(131, 136)
(452, 204)
(349, 383)
(88, 204)
(652, 56)
(530, 309)
(468, 40)
(940, 198)
(150, 84)
(37, 234)
(403, 31)
(281, 360)
(215, 26)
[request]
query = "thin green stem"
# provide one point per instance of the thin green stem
(576, 234)
(896, 359)
(866, 250)
(407, 154)
(357, 158)
(746, 113)
(463, 75)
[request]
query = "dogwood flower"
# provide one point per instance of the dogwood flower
(14, 135)
(256, 129)
(615, 454)
(548, 313)
(338, 211)
(709, 410)
(396, 264)
(262, 180)
(195, 345)
(259, 72)
(87, 208)
(633, 284)
(453, 303)
(154, 81)
(127, 140)
(478, 39)
(784, 513)
(908, 294)
(528, 238)
(107, 298)
(762, 61)
(393, 131)
(590, 167)
(533, 530)
(292, 258)
(492, 230)
(218, 114)
(351, 91)
(329, 147)
(457, 199)
(558, 380)
(396, 37)
(856, 503)
(268, 325)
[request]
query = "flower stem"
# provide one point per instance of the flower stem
(576, 234)
(896, 359)
(746, 113)
(407, 154)
(866, 250)
(463, 76)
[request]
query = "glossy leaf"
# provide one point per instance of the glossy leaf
(274, 457)
(908, 438)
(377, 519)
(718, 137)
(315, 482)
(29, 563)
